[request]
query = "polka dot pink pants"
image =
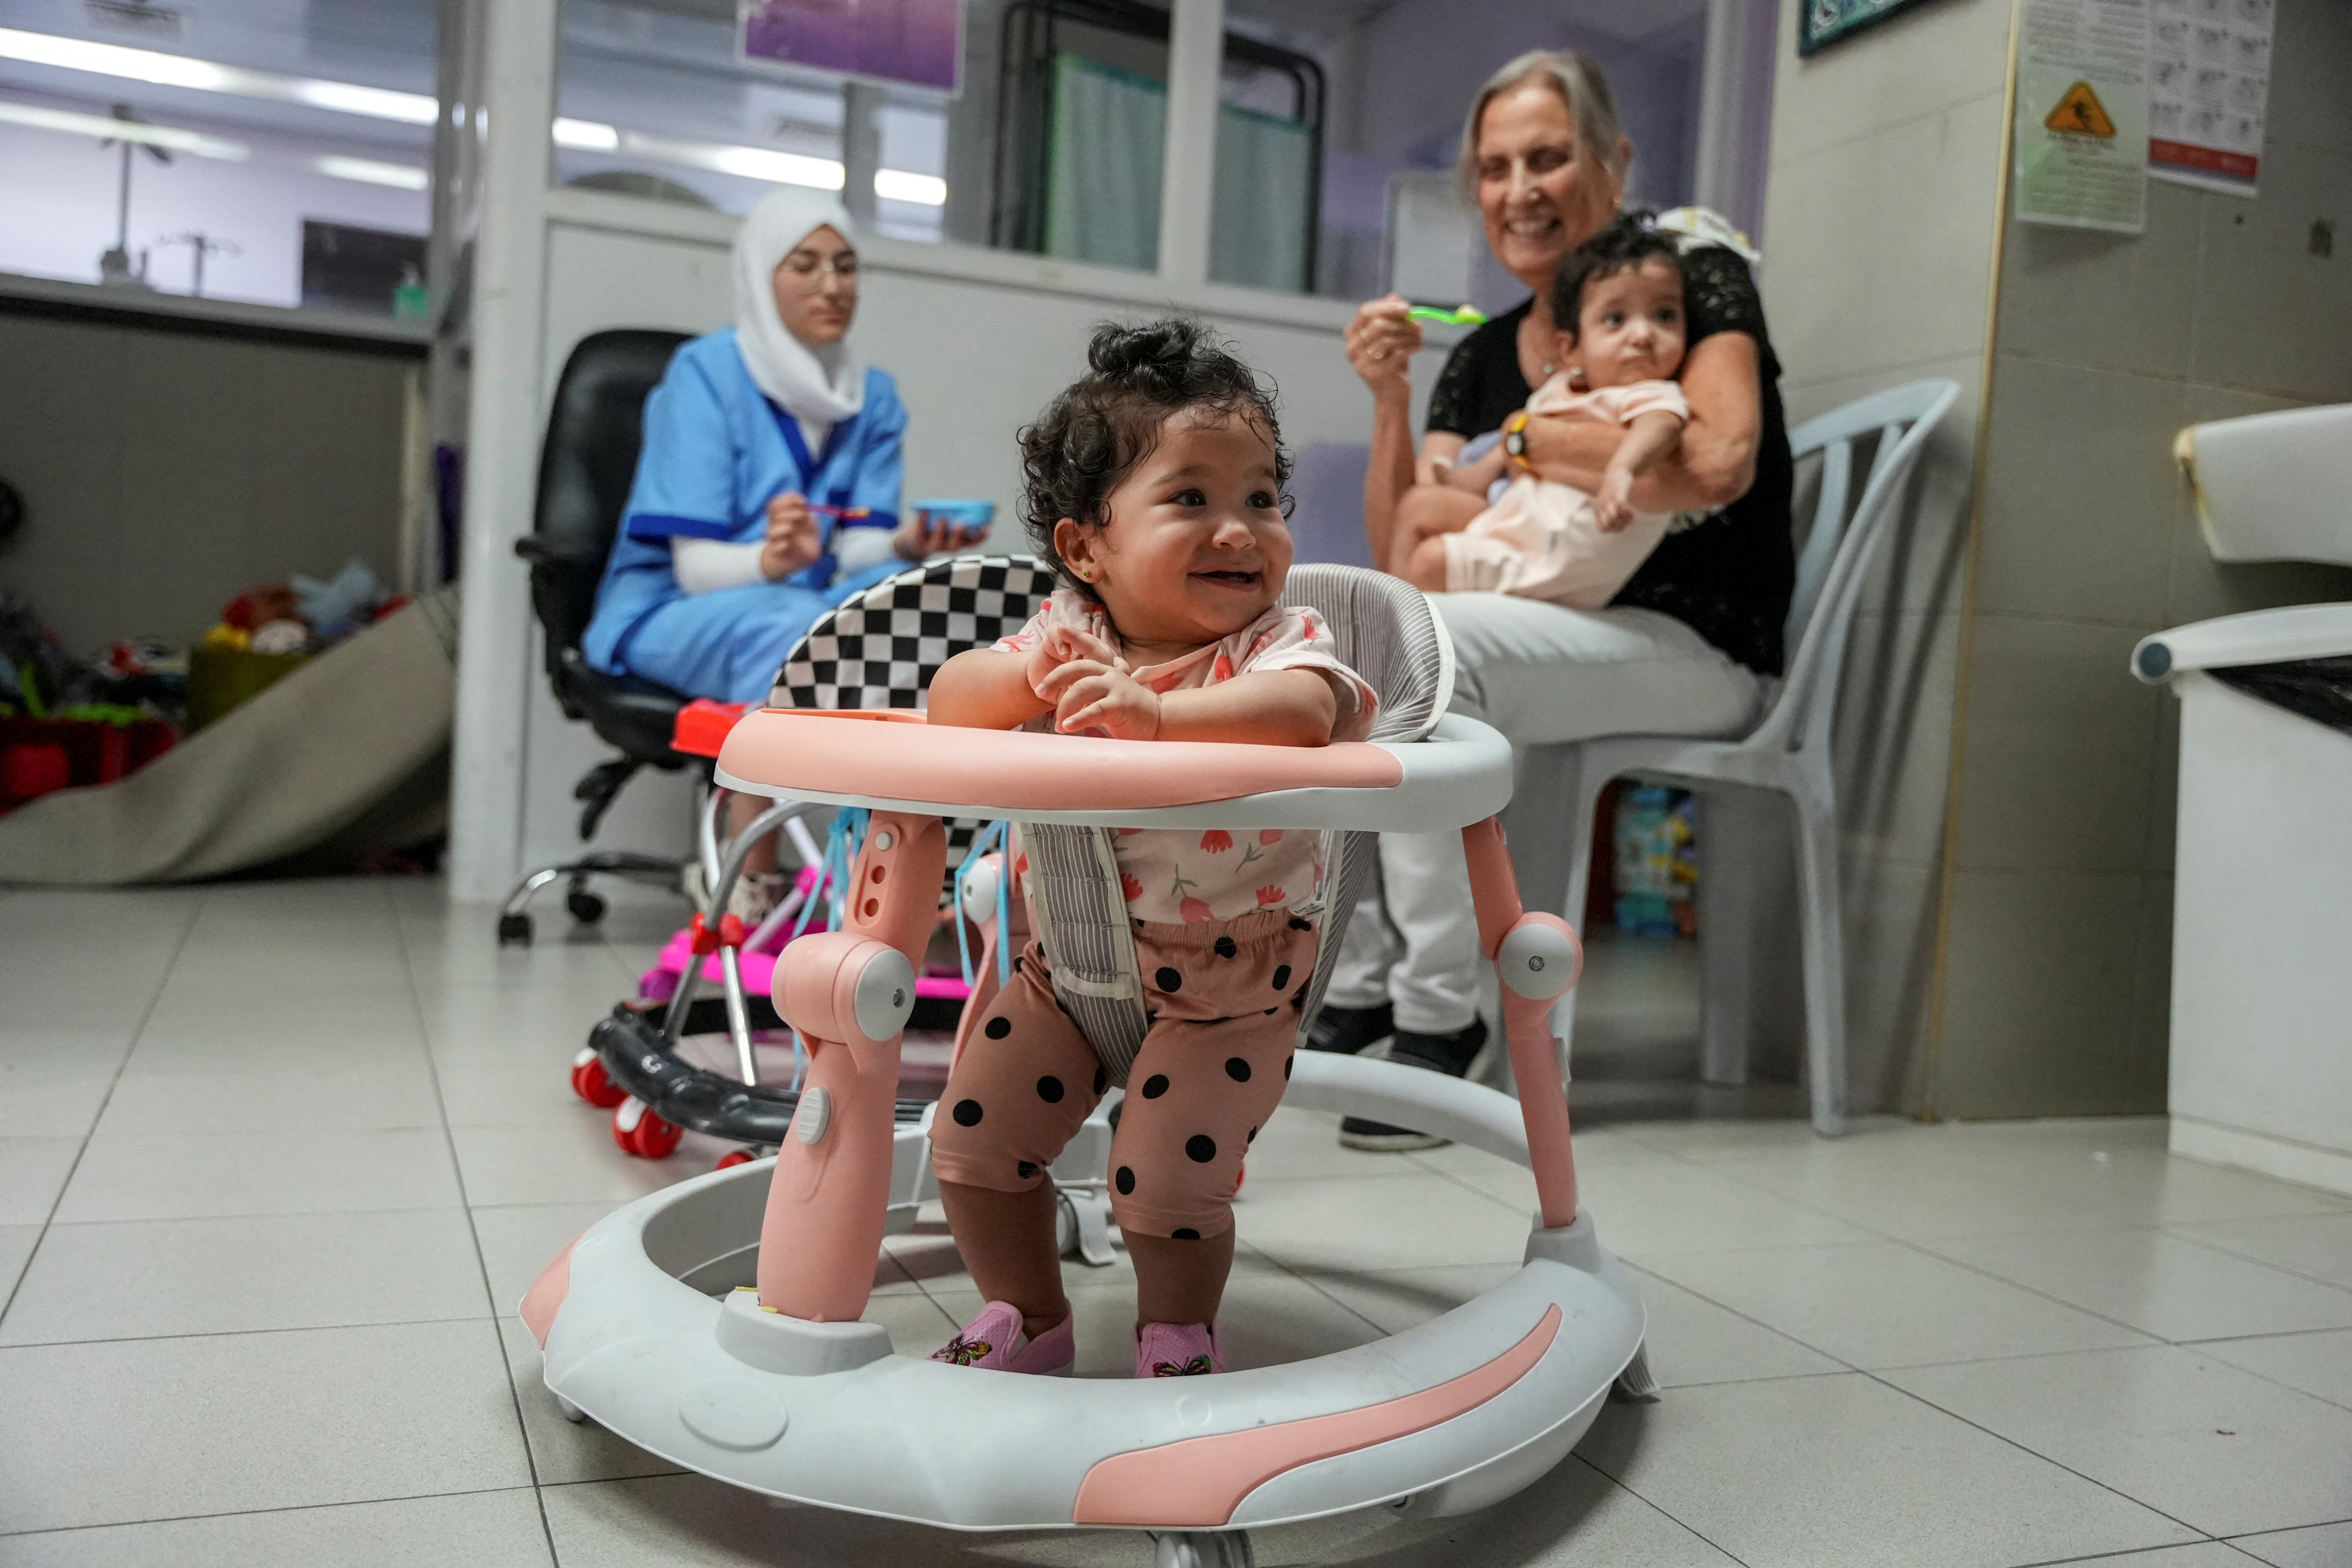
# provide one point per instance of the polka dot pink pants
(1223, 1000)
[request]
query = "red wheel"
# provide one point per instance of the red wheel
(592, 1083)
(657, 1139)
(734, 1157)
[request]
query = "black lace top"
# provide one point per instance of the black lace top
(1727, 575)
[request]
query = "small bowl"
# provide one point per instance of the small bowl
(970, 514)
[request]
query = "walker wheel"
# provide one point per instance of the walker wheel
(592, 1083)
(585, 906)
(732, 1158)
(514, 931)
(1202, 1549)
(647, 1136)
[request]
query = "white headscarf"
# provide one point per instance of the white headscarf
(820, 383)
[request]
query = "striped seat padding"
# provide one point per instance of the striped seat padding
(1388, 633)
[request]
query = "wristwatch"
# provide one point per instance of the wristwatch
(1515, 441)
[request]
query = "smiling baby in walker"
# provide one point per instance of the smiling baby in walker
(1155, 482)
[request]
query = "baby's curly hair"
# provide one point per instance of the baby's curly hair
(1624, 243)
(1093, 435)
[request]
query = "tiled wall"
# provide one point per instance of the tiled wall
(1880, 220)
(2054, 997)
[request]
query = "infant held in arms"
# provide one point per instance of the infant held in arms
(1621, 297)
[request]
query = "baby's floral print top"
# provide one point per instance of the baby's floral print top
(1188, 876)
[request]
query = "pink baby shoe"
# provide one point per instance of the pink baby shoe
(1178, 1349)
(995, 1341)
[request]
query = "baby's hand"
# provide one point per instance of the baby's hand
(1058, 646)
(1612, 506)
(1089, 694)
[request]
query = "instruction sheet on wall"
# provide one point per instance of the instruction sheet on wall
(2208, 89)
(2082, 113)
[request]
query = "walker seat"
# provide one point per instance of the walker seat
(717, 1323)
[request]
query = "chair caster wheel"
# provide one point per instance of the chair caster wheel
(592, 1083)
(1202, 1549)
(585, 906)
(732, 1158)
(514, 931)
(569, 1411)
(641, 1132)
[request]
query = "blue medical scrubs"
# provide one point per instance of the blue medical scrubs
(716, 452)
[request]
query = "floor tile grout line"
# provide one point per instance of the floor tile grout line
(1743, 1317)
(2092, 1311)
(2196, 1347)
(2128, 1552)
(250, 1512)
(244, 1334)
(2173, 1232)
(481, 1262)
(2035, 1453)
(1654, 1506)
(138, 1031)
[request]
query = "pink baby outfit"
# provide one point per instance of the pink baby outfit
(1180, 879)
(1222, 997)
(1225, 942)
(1541, 539)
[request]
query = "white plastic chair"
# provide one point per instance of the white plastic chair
(1789, 750)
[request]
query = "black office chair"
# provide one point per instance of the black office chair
(585, 469)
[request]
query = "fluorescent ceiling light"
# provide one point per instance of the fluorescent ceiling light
(586, 135)
(748, 163)
(899, 185)
(124, 131)
(178, 70)
(367, 171)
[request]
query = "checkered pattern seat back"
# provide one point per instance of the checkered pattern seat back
(881, 649)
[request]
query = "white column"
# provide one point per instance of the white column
(1722, 97)
(1188, 173)
(861, 147)
(497, 639)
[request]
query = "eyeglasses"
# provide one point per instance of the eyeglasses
(809, 271)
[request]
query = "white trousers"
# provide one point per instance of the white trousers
(1542, 675)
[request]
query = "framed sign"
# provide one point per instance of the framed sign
(911, 43)
(1826, 21)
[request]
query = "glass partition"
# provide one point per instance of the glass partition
(1030, 125)
(272, 155)
(699, 102)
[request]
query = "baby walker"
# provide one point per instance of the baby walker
(876, 651)
(716, 1323)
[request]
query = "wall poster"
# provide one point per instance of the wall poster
(2209, 88)
(918, 43)
(2082, 113)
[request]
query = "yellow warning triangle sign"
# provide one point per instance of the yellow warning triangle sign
(2080, 113)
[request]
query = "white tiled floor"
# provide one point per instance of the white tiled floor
(276, 1161)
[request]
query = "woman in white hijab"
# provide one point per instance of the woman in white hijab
(768, 488)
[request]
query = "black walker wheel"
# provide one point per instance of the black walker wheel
(514, 931)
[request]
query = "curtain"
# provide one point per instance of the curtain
(1102, 200)
(1103, 180)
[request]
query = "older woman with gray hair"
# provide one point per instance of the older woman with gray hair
(1686, 646)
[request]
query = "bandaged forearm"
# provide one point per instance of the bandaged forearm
(705, 566)
(855, 549)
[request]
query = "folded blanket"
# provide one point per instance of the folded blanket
(356, 740)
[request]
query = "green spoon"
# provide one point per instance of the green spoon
(1460, 316)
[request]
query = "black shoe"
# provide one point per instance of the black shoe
(1350, 1030)
(1449, 1054)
